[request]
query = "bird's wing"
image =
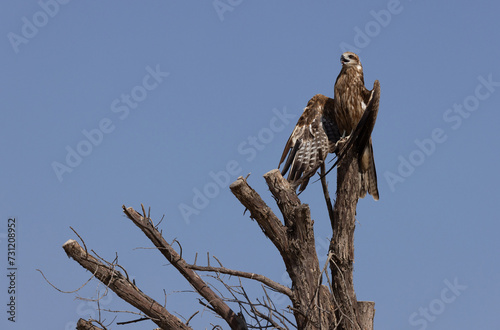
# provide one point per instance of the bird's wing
(312, 139)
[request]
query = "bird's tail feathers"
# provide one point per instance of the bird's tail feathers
(368, 174)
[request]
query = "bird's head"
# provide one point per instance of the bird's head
(349, 59)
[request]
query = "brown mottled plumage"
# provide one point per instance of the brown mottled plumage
(325, 120)
(350, 99)
(312, 139)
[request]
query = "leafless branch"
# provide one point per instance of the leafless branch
(125, 289)
(220, 307)
(260, 212)
(270, 283)
(52, 285)
(264, 314)
(133, 321)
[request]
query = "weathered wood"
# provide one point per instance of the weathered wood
(86, 325)
(300, 258)
(124, 288)
(312, 302)
(343, 222)
(220, 307)
(342, 243)
(366, 314)
(284, 195)
(260, 212)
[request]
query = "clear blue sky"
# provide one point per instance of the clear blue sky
(165, 103)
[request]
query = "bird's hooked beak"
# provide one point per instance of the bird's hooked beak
(343, 59)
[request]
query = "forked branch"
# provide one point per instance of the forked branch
(219, 306)
(260, 212)
(124, 288)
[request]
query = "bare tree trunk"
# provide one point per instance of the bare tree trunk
(366, 314)
(342, 243)
(312, 303)
(351, 313)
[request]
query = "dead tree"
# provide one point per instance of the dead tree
(319, 299)
(343, 223)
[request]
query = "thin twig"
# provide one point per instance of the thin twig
(191, 317)
(257, 277)
(52, 285)
(133, 321)
(158, 224)
(81, 239)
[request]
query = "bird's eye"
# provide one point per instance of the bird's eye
(351, 56)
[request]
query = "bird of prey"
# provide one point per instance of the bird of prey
(325, 121)
(351, 98)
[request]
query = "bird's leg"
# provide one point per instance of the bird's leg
(341, 142)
